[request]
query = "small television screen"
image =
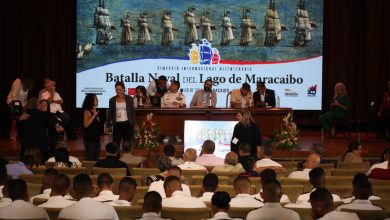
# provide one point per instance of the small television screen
(196, 132)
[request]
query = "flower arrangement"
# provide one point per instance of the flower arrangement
(147, 136)
(287, 137)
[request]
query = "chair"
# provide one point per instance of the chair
(49, 164)
(289, 181)
(186, 213)
(256, 181)
(189, 173)
(209, 168)
(89, 165)
(53, 212)
(145, 172)
(38, 170)
(376, 182)
(292, 191)
(368, 214)
(72, 171)
(33, 189)
(195, 190)
(381, 191)
(232, 175)
(289, 166)
(347, 172)
(363, 165)
(383, 203)
(236, 212)
(338, 180)
(129, 212)
(132, 165)
(342, 191)
(32, 178)
(327, 167)
(139, 193)
(111, 171)
(38, 201)
(304, 213)
(198, 180)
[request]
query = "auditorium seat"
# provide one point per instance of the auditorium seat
(53, 212)
(111, 171)
(71, 171)
(327, 167)
(33, 189)
(89, 164)
(376, 182)
(197, 180)
(289, 181)
(188, 174)
(256, 181)
(347, 172)
(145, 172)
(49, 164)
(292, 191)
(304, 213)
(342, 191)
(384, 203)
(139, 194)
(363, 165)
(381, 191)
(195, 190)
(235, 212)
(129, 212)
(368, 214)
(186, 213)
(32, 178)
(289, 166)
(232, 175)
(209, 168)
(338, 180)
(131, 166)
(38, 170)
(38, 201)
(116, 180)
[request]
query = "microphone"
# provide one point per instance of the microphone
(227, 98)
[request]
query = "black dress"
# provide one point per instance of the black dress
(250, 135)
(92, 139)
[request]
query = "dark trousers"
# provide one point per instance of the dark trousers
(66, 124)
(92, 150)
(122, 131)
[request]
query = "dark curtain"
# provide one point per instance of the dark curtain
(38, 39)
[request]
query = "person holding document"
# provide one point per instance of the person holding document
(206, 97)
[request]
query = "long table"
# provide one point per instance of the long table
(171, 121)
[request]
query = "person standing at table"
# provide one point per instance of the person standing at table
(157, 88)
(205, 97)
(245, 131)
(92, 126)
(173, 98)
(264, 97)
(121, 115)
(241, 98)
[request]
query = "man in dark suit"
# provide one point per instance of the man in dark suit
(111, 160)
(264, 97)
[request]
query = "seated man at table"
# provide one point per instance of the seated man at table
(173, 98)
(205, 97)
(242, 98)
(264, 97)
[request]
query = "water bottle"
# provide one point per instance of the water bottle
(277, 102)
(209, 104)
(135, 102)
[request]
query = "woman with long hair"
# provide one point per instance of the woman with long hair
(353, 153)
(246, 131)
(93, 127)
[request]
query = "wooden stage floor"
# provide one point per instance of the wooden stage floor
(333, 147)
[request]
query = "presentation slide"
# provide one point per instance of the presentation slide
(278, 42)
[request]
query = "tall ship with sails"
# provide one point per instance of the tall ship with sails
(273, 28)
(246, 28)
(303, 26)
(102, 23)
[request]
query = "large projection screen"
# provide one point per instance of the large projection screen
(276, 41)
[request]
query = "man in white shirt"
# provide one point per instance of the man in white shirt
(207, 157)
(205, 97)
(220, 206)
(48, 178)
(231, 164)
(20, 208)
(152, 206)
(173, 98)
(157, 88)
(105, 183)
(209, 186)
(384, 164)
(272, 193)
(242, 186)
(158, 186)
(127, 188)
(265, 154)
(266, 175)
(241, 98)
(322, 207)
(360, 177)
(58, 195)
(189, 158)
(176, 197)
(312, 161)
(86, 207)
(72, 159)
(170, 151)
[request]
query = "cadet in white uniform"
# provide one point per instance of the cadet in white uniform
(242, 186)
(58, 195)
(105, 183)
(127, 188)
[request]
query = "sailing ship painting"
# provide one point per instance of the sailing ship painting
(167, 36)
(191, 35)
(126, 36)
(207, 26)
(272, 26)
(246, 28)
(227, 29)
(102, 23)
(303, 26)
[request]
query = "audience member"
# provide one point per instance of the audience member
(241, 98)
(248, 163)
(264, 97)
(20, 208)
(5, 200)
(151, 159)
(105, 183)
(169, 151)
(207, 157)
(360, 177)
(265, 154)
(312, 161)
(158, 186)
(173, 98)
(157, 88)
(384, 114)
(176, 198)
(128, 156)
(205, 97)
(127, 188)
(47, 183)
(189, 158)
(380, 174)
(111, 160)
(59, 197)
(86, 207)
(152, 206)
(17, 168)
(244, 151)
(231, 164)
(353, 153)
(209, 186)
(220, 205)
(93, 127)
(72, 159)
(265, 175)
(62, 159)
(242, 186)
(321, 201)
(163, 164)
(382, 165)
(272, 194)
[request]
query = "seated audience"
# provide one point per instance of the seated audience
(209, 186)
(176, 198)
(111, 160)
(360, 177)
(152, 206)
(72, 159)
(127, 155)
(127, 188)
(105, 183)
(169, 151)
(384, 164)
(248, 163)
(59, 197)
(362, 190)
(20, 208)
(86, 207)
(312, 161)
(265, 154)
(163, 164)
(47, 182)
(189, 158)
(231, 164)
(173, 98)
(265, 175)
(15, 169)
(244, 150)
(5, 200)
(158, 186)
(207, 157)
(151, 159)
(353, 153)
(62, 159)
(242, 186)
(321, 201)
(220, 205)
(272, 194)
